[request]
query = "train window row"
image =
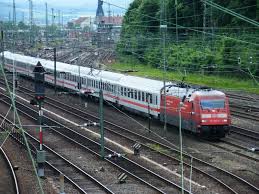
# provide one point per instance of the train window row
(127, 92)
(139, 95)
(101, 85)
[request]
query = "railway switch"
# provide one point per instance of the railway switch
(136, 148)
(122, 178)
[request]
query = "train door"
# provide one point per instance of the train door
(62, 79)
(79, 82)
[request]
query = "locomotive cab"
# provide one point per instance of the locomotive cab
(212, 114)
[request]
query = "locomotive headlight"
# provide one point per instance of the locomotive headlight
(223, 115)
(203, 121)
(205, 116)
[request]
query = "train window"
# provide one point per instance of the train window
(128, 92)
(212, 104)
(143, 96)
(125, 91)
(151, 98)
(147, 97)
(135, 94)
(139, 95)
(121, 91)
(156, 100)
(131, 93)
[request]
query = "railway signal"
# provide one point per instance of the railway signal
(39, 75)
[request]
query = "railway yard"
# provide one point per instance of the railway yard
(78, 121)
(225, 166)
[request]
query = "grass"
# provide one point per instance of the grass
(214, 81)
(158, 148)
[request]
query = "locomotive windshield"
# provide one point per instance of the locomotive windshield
(212, 104)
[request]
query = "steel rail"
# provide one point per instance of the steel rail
(9, 164)
(166, 146)
(65, 161)
(140, 172)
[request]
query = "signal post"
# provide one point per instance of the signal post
(39, 73)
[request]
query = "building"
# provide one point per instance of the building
(83, 22)
(114, 20)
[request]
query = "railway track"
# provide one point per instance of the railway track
(13, 186)
(137, 171)
(242, 113)
(220, 176)
(245, 132)
(248, 110)
(78, 178)
(242, 97)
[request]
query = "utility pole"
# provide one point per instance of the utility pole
(55, 69)
(163, 30)
(31, 19)
(181, 146)
(109, 26)
(52, 16)
(62, 20)
(47, 25)
(176, 29)
(204, 20)
(52, 22)
(22, 17)
(14, 13)
(2, 46)
(101, 123)
(109, 13)
(14, 70)
(9, 17)
(59, 21)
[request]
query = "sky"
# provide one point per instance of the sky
(70, 8)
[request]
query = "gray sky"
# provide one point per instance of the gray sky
(70, 8)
